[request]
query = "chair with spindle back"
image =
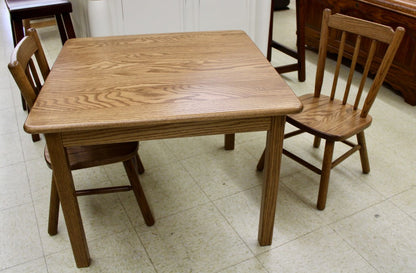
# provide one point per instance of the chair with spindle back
(335, 120)
(25, 74)
(22, 11)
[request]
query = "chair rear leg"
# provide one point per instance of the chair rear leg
(140, 166)
(326, 171)
(53, 209)
(316, 142)
(132, 172)
(35, 137)
(365, 164)
(260, 164)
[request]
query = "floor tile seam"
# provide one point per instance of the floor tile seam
(245, 260)
(213, 200)
(195, 180)
(23, 263)
(173, 152)
(234, 230)
(29, 202)
(291, 240)
(38, 232)
(20, 137)
(175, 213)
(36, 217)
(385, 197)
(316, 211)
(182, 210)
(68, 247)
(144, 247)
(200, 187)
(356, 212)
(354, 249)
(398, 207)
(125, 212)
(310, 232)
(164, 217)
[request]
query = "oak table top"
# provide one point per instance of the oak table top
(142, 87)
(129, 81)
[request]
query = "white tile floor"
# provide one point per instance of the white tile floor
(206, 200)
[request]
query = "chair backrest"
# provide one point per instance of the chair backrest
(376, 35)
(25, 70)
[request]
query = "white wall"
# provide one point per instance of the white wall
(119, 17)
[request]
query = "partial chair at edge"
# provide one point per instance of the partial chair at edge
(25, 74)
(335, 120)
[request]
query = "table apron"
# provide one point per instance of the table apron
(164, 131)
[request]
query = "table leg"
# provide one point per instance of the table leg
(229, 140)
(273, 158)
(66, 191)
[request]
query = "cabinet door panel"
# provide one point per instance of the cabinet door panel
(152, 16)
(224, 15)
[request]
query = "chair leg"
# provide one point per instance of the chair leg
(70, 33)
(53, 210)
(140, 166)
(316, 142)
(61, 28)
(326, 170)
(35, 137)
(260, 164)
(365, 164)
(131, 169)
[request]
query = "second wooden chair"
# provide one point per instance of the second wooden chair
(335, 120)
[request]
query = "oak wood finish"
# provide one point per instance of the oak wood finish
(402, 73)
(24, 71)
(21, 11)
(336, 120)
(160, 86)
(273, 153)
(76, 157)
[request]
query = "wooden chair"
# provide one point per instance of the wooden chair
(335, 120)
(25, 74)
(22, 11)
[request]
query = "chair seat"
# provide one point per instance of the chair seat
(81, 157)
(329, 119)
(37, 8)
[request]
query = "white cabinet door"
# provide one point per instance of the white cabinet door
(251, 16)
(153, 16)
(161, 16)
(224, 15)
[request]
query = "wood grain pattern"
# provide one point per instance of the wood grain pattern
(25, 73)
(402, 74)
(68, 199)
(137, 80)
(329, 119)
(165, 131)
(129, 88)
(337, 120)
(273, 156)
